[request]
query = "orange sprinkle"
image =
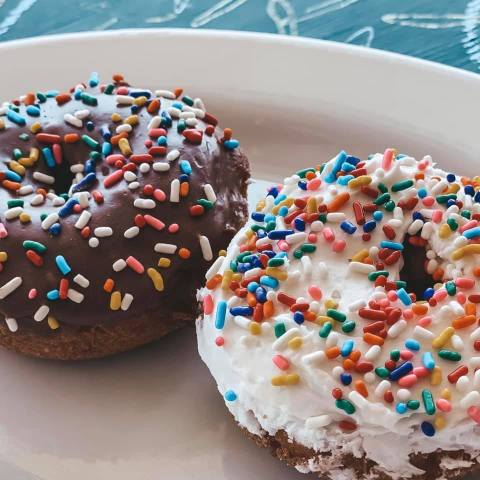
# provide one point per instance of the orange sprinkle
(29, 99)
(420, 308)
(184, 253)
(178, 91)
(348, 364)
(368, 260)
(268, 309)
(470, 309)
(214, 281)
(227, 133)
(63, 98)
(438, 274)
(108, 285)
(116, 138)
(372, 339)
(332, 352)
(71, 138)
(154, 106)
(310, 175)
(355, 355)
(419, 176)
(42, 192)
(464, 322)
(9, 185)
(361, 388)
(310, 316)
(476, 271)
(184, 189)
(251, 299)
(338, 202)
(118, 77)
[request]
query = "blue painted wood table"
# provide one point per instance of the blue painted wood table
(445, 31)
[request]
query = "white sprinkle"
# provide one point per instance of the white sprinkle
(314, 359)
(281, 342)
(358, 400)
(82, 114)
(209, 193)
(318, 422)
(457, 308)
(398, 213)
(172, 155)
(12, 213)
(296, 238)
(476, 380)
(354, 306)
(423, 333)
(161, 167)
(242, 322)
(206, 248)
(75, 296)
(415, 227)
(58, 201)
(77, 168)
(119, 265)
(360, 267)
(427, 230)
(9, 287)
(463, 384)
(81, 280)
(11, 324)
(83, 219)
(307, 265)
(373, 352)
(336, 217)
(93, 242)
(187, 114)
(50, 220)
(165, 94)
(38, 199)
(397, 328)
(131, 232)
(125, 127)
(438, 187)
(165, 248)
(470, 399)
(133, 185)
(129, 176)
(154, 122)
(199, 105)
(316, 226)
(191, 122)
(175, 191)
(144, 167)
(82, 198)
(124, 100)
(457, 342)
(474, 362)
(403, 394)
(475, 335)
(25, 190)
(126, 301)
(215, 268)
(41, 313)
(382, 387)
(145, 203)
(174, 112)
(73, 120)
(103, 232)
(322, 270)
(332, 340)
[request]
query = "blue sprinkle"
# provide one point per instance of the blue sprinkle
(369, 226)
(53, 295)
(241, 311)
(258, 217)
(451, 202)
(230, 396)
(401, 408)
(273, 191)
(89, 166)
(14, 177)
(401, 371)
(261, 295)
(451, 177)
(77, 95)
(391, 245)
(346, 378)
(90, 125)
(140, 93)
(299, 224)
(231, 144)
(106, 149)
(178, 105)
(48, 155)
(417, 216)
(477, 196)
(343, 180)
(352, 160)
(347, 167)
(52, 93)
(184, 177)
(348, 227)
(428, 361)
(55, 229)
(33, 111)
(347, 348)
(279, 234)
(269, 217)
(377, 215)
(252, 286)
(162, 140)
(279, 199)
(67, 208)
(185, 167)
(469, 190)
(62, 265)
(84, 182)
(337, 165)
(299, 317)
(472, 233)
(16, 118)
(302, 185)
(428, 429)
(404, 297)
(94, 80)
(105, 131)
(412, 344)
(283, 211)
(428, 293)
(422, 193)
(269, 281)
(221, 313)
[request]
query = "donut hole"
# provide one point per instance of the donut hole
(414, 269)
(63, 178)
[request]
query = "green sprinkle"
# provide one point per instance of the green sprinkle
(43, 216)
(96, 156)
(41, 97)
(452, 224)
(109, 89)
(279, 329)
(276, 262)
(403, 185)
(413, 404)
(233, 266)
(25, 137)
(446, 198)
(181, 125)
(346, 406)
(381, 199)
(189, 101)
(466, 213)
(90, 142)
(298, 254)
(206, 204)
(272, 225)
(88, 99)
(428, 402)
(242, 255)
(303, 173)
(35, 246)
(450, 355)
(325, 330)
(382, 372)
(14, 203)
(400, 284)
(323, 217)
(451, 288)
(256, 228)
(308, 248)
(348, 326)
(382, 187)
(389, 206)
(17, 154)
(336, 315)
(374, 275)
(395, 355)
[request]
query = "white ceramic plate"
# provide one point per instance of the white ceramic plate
(155, 413)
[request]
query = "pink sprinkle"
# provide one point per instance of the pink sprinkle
(408, 381)
(407, 314)
(387, 159)
(468, 226)
(422, 164)
(154, 222)
(463, 282)
(314, 183)
(148, 143)
(425, 321)
(444, 405)
(135, 265)
(328, 234)
(406, 355)
(315, 292)
(283, 245)
(3, 231)
(312, 237)
(421, 372)
(392, 295)
(219, 341)
(339, 246)
(122, 91)
(437, 216)
(159, 195)
(461, 298)
(174, 228)
(440, 294)
(281, 362)
(428, 201)
(474, 413)
(207, 304)
(32, 293)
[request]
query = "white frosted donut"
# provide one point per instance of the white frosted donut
(313, 337)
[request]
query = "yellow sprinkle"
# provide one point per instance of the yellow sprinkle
(2, 124)
(275, 272)
(454, 188)
(125, 148)
(116, 117)
(35, 127)
(321, 319)
(440, 423)
(445, 231)
(222, 253)
(446, 394)
(331, 303)
(227, 278)
(16, 167)
(249, 233)
(295, 343)
(26, 162)
(260, 206)
(360, 256)
(436, 377)
(236, 277)
(292, 379)
(52, 323)
(3, 257)
(444, 337)
(131, 120)
(25, 217)
(281, 380)
(466, 250)
(288, 202)
(156, 278)
(34, 154)
(115, 300)
(312, 205)
(360, 181)
(255, 328)
(164, 262)
(140, 101)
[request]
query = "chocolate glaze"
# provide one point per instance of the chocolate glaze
(227, 171)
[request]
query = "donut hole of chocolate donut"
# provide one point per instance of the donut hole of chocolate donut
(63, 178)
(414, 269)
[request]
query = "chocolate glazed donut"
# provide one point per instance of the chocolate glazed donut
(115, 200)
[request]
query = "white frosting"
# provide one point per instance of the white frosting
(307, 410)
